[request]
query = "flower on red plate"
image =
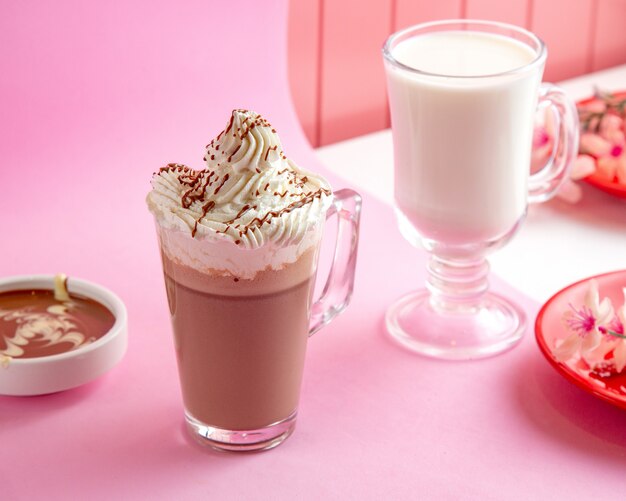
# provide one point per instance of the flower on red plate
(603, 136)
(616, 330)
(602, 149)
(608, 147)
(542, 146)
(585, 325)
(597, 334)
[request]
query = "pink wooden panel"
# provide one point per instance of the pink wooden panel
(610, 34)
(353, 99)
(303, 60)
(410, 12)
(335, 68)
(566, 27)
(517, 12)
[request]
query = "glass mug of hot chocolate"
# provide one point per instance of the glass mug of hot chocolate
(463, 96)
(239, 244)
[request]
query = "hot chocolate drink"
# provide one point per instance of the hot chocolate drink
(239, 244)
(240, 345)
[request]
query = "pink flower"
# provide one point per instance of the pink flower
(617, 326)
(608, 146)
(584, 324)
(584, 166)
(542, 148)
(595, 145)
(613, 164)
(597, 334)
(541, 137)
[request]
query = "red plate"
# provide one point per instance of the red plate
(549, 327)
(619, 190)
(612, 187)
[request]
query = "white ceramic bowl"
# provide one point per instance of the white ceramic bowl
(41, 375)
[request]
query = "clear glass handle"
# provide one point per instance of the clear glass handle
(543, 184)
(340, 282)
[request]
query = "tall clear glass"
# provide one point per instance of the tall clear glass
(463, 96)
(240, 343)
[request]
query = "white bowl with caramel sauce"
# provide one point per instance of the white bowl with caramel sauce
(53, 338)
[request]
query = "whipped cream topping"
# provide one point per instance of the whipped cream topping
(250, 194)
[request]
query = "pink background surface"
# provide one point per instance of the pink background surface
(336, 70)
(94, 100)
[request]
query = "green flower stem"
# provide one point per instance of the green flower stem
(615, 334)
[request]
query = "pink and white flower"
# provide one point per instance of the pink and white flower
(617, 327)
(585, 325)
(597, 334)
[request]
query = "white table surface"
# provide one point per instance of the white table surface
(559, 243)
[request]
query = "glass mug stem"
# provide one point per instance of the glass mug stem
(457, 286)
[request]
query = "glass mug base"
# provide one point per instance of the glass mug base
(258, 439)
(494, 326)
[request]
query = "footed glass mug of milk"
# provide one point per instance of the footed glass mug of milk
(463, 97)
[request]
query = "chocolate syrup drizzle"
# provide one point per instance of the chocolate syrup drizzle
(198, 182)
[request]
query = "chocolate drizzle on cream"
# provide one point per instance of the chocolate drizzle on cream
(249, 191)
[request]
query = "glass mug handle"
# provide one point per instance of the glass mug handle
(340, 282)
(543, 184)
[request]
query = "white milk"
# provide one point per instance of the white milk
(462, 145)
